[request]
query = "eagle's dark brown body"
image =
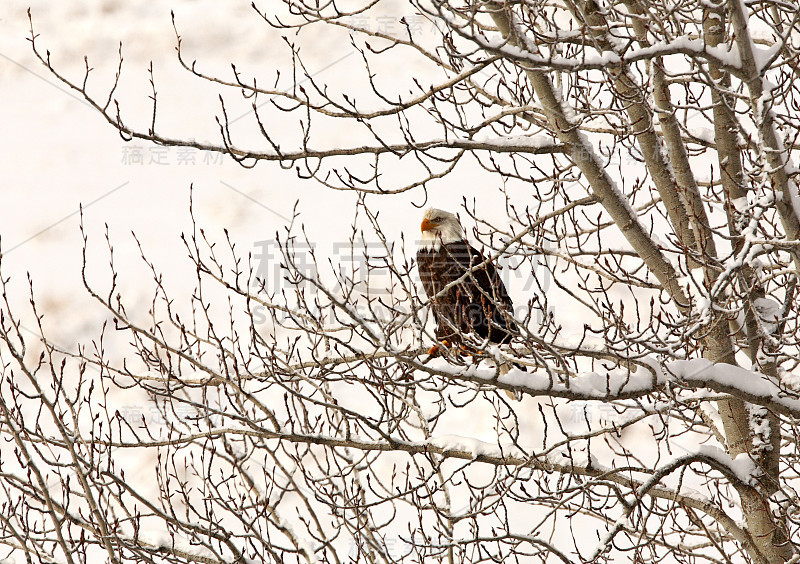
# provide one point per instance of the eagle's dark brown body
(478, 304)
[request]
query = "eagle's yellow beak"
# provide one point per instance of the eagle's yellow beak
(427, 225)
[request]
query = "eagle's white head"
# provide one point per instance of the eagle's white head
(438, 228)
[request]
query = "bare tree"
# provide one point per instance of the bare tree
(645, 153)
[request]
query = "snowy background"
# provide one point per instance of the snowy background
(58, 153)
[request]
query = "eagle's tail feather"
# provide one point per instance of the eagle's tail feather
(505, 368)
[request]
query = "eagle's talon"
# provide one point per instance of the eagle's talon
(436, 350)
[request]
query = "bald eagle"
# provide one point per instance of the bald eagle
(466, 293)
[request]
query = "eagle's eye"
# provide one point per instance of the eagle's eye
(438, 219)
